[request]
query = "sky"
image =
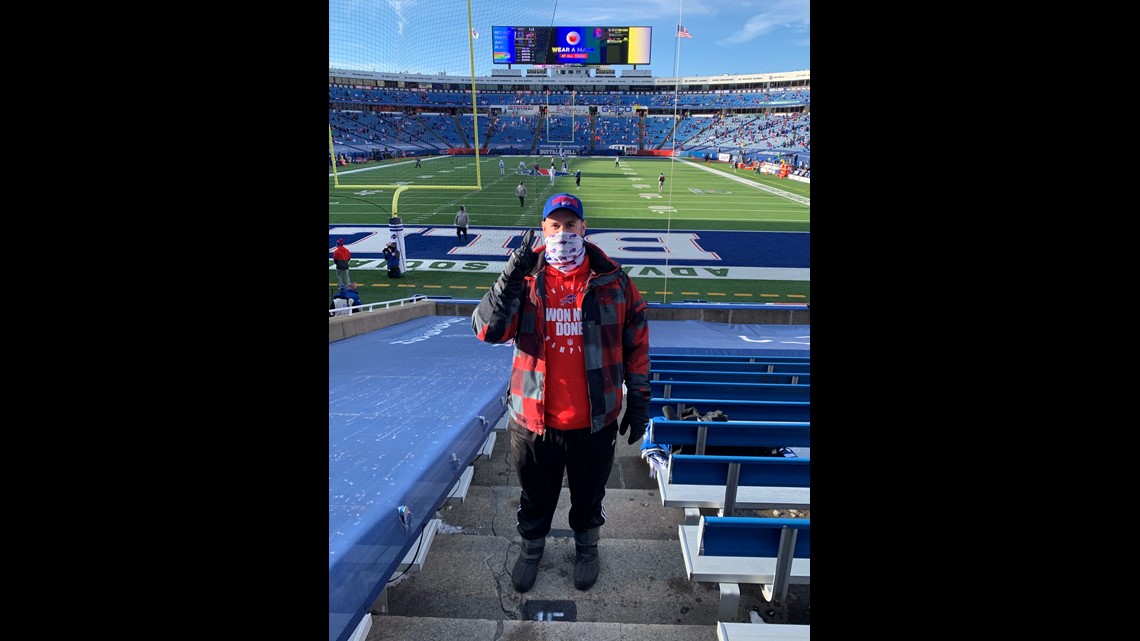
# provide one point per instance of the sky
(418, 36)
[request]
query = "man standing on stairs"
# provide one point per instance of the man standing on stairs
(580, 331)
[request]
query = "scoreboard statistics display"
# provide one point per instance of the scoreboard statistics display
(571, 45)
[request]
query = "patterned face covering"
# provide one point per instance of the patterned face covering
(565, 251)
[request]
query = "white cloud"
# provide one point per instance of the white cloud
(790, 14)
(399, 6)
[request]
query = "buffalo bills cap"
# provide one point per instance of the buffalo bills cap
(563, 201)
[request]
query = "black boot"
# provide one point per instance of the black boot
(586, 564)
(526, 567)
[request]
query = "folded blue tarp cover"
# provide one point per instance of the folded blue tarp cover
(402, 401)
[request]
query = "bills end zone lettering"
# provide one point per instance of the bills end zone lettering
(434, 248)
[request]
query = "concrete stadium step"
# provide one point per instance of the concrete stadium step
(641, 581)
(399, 628)
(630, 514)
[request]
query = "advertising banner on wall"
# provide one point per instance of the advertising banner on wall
(566, 110)
(519, 110)
(617, 110)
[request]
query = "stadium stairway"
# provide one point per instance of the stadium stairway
(463, 589)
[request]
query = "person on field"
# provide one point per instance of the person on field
(341, 256)
(392, 257)
(461, 219)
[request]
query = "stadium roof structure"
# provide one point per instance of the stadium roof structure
(630, 78)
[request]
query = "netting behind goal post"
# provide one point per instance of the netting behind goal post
(405, 119)
(399, 119)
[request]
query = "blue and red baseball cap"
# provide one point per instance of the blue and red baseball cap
(568, 202)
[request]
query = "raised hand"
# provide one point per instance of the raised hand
(523, 259)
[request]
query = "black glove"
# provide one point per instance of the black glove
(522, 260)
(636, 418)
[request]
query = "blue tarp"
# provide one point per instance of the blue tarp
(704, 337)
(402, 401)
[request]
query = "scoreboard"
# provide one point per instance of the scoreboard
(571, 45)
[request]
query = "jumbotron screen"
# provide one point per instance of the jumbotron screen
(571, 45)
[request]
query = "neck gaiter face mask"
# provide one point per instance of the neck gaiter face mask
(565, 251)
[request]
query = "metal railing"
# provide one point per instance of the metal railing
(367, 307)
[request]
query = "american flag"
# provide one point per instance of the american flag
(682, 32)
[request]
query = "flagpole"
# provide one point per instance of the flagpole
(673, 151)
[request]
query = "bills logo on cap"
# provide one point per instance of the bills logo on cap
(563, 201)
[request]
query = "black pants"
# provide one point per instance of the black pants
(461, 231)
(540, 462)
(521, 201)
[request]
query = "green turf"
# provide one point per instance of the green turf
(614, 197)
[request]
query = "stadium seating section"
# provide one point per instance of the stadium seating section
(756, 124)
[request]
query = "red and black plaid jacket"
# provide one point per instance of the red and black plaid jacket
(615, 334)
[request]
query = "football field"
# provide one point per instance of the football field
(712, 233)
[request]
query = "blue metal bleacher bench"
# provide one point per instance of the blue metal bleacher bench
(768, 434)
(733, 366)
(736, 358)
(680, 373)
(736, 409)
(728, 483)
(733, 391)
(773, 553)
